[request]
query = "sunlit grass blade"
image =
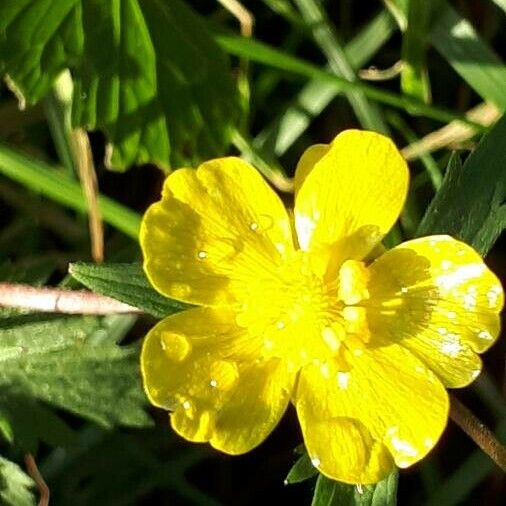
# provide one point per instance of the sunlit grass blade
(316, 95)
(414, 75)
(56, 185)
(470, 56)
(326, 37)
(262, 53)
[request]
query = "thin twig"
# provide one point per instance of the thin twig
(33, 471)
(58, 300)
(88, 177)
(478, 432)
(242, 15)
(455, 132)
(375, 74)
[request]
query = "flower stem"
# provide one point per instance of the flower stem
(478, 432)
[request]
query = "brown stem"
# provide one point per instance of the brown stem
(33, 471)
(58, 300)
(478, 432)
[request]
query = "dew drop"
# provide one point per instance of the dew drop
(280, 324)
(175, 346)
(485, 334)
(189, 408)
(359, 488)
(428, 442)
(265, 222)
(315, 461)
(404, 290)
(253, 226)
(224, 375)
(343, 379)
(202, 255)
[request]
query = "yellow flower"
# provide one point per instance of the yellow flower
(309, 310)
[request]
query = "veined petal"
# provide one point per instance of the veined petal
(436, 297)
(215, 229)
(204, 368)
(307, 161)
(387, 403)
(359, 184)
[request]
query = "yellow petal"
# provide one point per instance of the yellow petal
(306, 163)
(359, 184)
(388, 402)
(214, 230)
(202, 367)
(436, 297)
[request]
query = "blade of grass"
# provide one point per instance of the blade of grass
(326, 37)
(267, 55)
(414, 75)
(457, 487)
(501, 4)
(315, 96)
(458, 43)
(57, 186)
(430, 165)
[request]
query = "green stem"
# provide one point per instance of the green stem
(262, 53)
(56, 185)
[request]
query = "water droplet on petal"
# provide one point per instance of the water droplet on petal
(404, 290)
(202, 255)
(189, 408)
(343, 379)
(315, 461)
(280, 324)
(253, 226)
(175, 346)
(485, 334)
(265, 222)
(224, 375)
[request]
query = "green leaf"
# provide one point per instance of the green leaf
(126, 283)
(15, 485)
(471, 202)
(72, 363)
(29, 421)
(302, 470)
(145, 72)
(334, 493)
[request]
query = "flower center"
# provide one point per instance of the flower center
(303, 317)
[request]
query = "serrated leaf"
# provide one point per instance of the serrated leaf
(16, 487)
(470, 204)
(153, 91)
(126, 283)
(72, 363)
(302, 470)
(334, 493)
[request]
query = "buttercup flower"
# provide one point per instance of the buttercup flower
(309, 309)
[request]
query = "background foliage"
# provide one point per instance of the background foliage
(168, 84)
